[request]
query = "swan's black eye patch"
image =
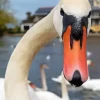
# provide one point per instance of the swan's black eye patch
(62, 12)
(89, 14)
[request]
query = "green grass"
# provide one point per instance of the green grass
(1, 44)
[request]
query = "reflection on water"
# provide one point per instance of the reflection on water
(54, 53)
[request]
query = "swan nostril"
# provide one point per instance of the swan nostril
(76, 80)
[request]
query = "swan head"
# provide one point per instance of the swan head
(72, 21)
(44, 66)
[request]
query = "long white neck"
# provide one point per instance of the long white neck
(65, 95)
(19, 64)
(43, 78)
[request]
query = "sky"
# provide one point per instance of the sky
(20, 7)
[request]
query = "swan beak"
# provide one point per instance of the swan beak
(75, 62)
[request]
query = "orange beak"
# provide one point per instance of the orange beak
(75, 58)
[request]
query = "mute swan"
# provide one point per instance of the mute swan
(59, 78)
(69, 21)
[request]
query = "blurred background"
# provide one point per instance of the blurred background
(17, 16)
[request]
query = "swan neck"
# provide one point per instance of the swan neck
(43, 79)
(16, 85)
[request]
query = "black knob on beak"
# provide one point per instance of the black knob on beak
(77, 31)
(76, 80)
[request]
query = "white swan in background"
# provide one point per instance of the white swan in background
(43, 79)
(59, 78)
(92, 84)
(66, 16)
(43, 76)
(47, 95)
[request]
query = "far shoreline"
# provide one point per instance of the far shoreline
(22, 34)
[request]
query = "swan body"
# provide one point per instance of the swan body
(2, 91)
(45, 95)
(92, 84)
(33, 94)
(66, 16)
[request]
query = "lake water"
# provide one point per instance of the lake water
(55, 50)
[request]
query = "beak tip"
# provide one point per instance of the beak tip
(76, 79)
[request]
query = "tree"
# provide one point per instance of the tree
(6, 16)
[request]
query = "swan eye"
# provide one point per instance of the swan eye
(62, 12)
(89, 14)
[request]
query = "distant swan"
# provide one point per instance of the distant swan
(43, 79)
(92, 84)
(47, 95)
